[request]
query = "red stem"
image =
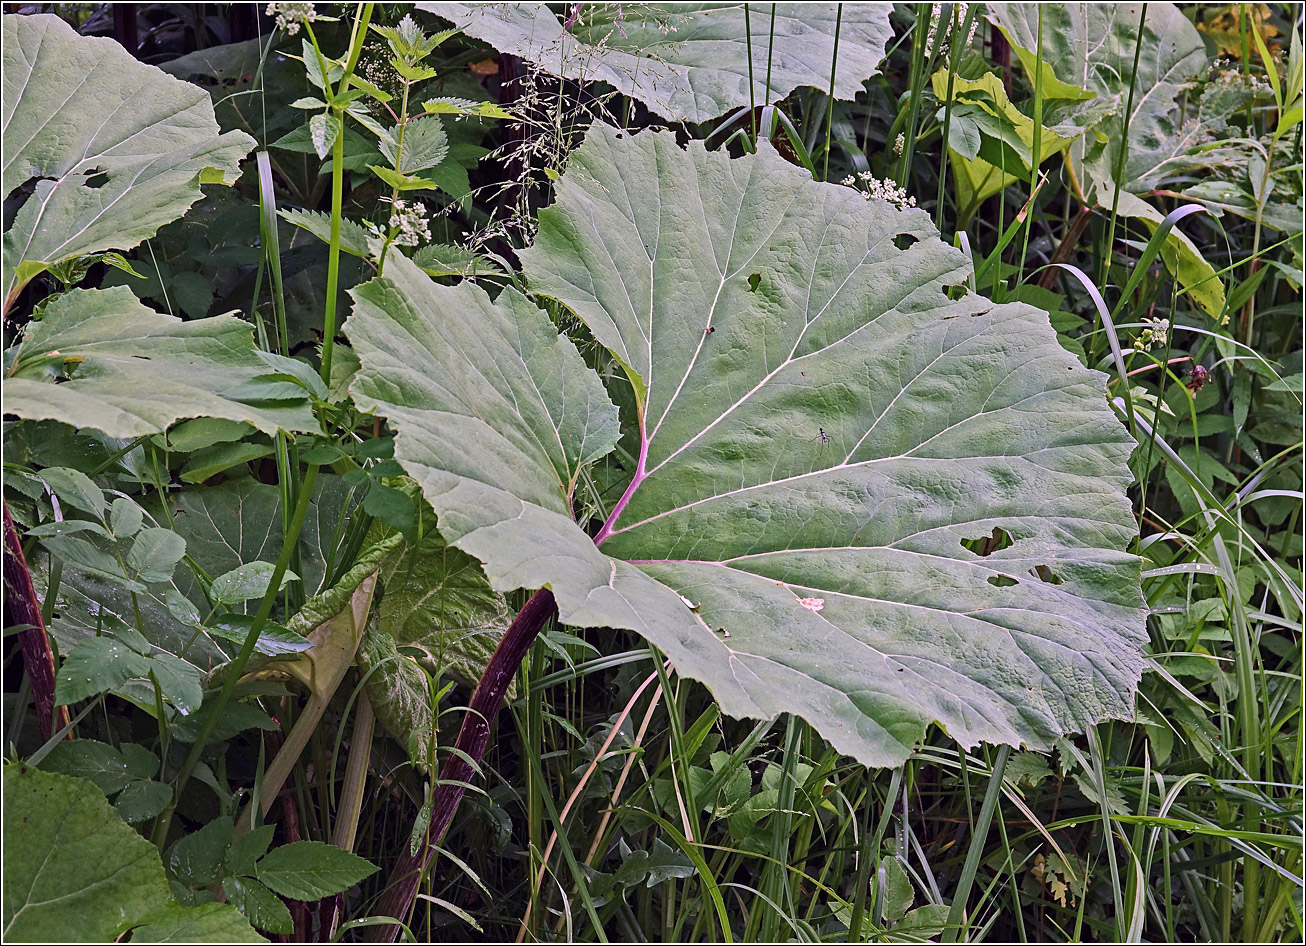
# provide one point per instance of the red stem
(460, 768)
(24, 608)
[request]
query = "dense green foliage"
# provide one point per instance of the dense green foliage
(870, 434)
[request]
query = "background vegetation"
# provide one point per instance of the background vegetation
(1184, 824)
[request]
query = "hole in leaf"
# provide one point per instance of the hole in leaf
(988, 544)
(96, 177)
(14, 202)
(1002, 581)
(753, 282)
(904, 240)
(1043, 573)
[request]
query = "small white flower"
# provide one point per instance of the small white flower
(899, 143)
(408, 219)
(1156, 333)
(290, 16)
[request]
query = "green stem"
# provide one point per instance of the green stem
(957, 912)
(237, 665)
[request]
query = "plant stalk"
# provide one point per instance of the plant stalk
(461, 766)
(24, 608)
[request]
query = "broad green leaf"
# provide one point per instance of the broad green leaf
(424, 146)
(74, 488)
(442, 259)
(311, 870)
(242, 855)
(85, 758)
(810, 470)
(210, 461)
(323, 129)
(154, 554)
(196, 860)
(259, 904)
(1092, 46)
(437, 600)
(96, 665)
(179, 681)
(74, 872)
(112, 148)
(125, 517)
(243, 582)
(82, 555)
(141, 800)
(206, 923)
(688, 61)
(1005, 146)
(133, 371)
(353, 238)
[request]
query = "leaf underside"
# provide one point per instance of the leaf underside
(689, 61)
(815, 468)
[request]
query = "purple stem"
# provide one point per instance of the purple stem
(640, 473)
(24, 608)
(459, 769)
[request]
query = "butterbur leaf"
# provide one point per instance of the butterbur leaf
(107, 176)
(311, 870)
(133, 371)
(688, 62)
(808, 471)
(74, 872)
(1093, 47)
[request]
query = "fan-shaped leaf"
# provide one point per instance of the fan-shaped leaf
(133, 371)
(824, 432)
(688, 61)
(114, 148)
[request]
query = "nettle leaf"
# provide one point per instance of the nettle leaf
(424, 146)
(74, 872)
(102, 177)
(824, 432)
(133, 371)
(687, 61)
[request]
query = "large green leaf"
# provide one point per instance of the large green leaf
(824, 431)
(75, 872)
(688, 61)
(114, 148)
(132, 371)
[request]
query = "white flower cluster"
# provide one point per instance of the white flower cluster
(408, 219)
(290, 16)
(1156, 333)
(872, 188)
(936, 20)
